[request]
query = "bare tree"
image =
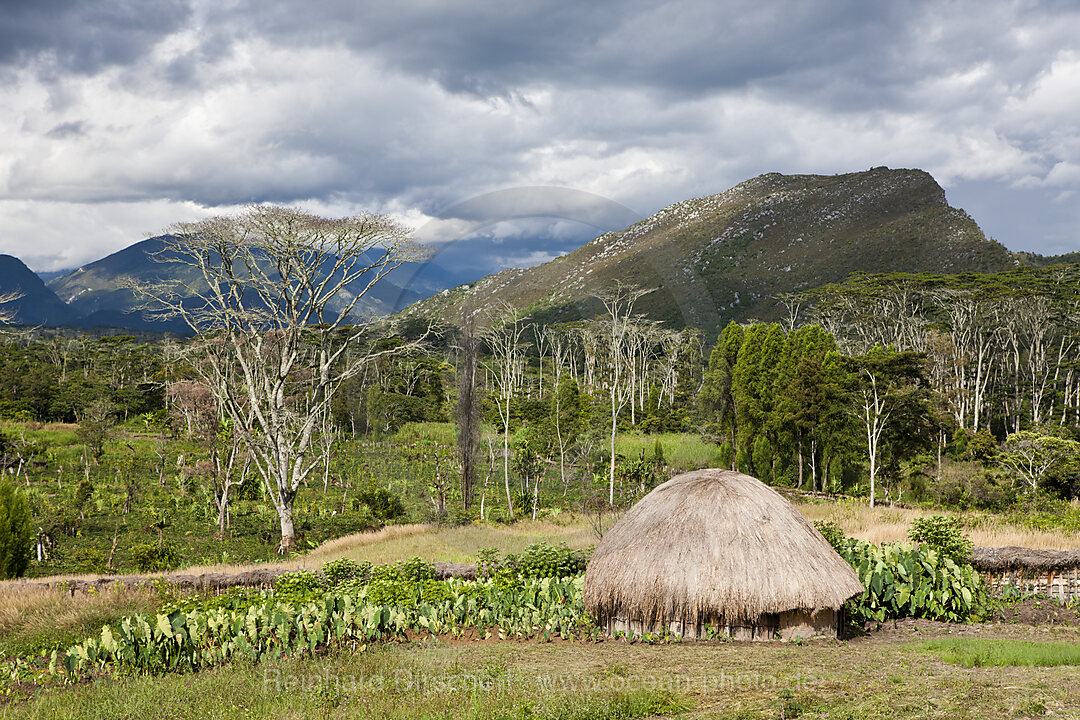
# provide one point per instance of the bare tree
(226, 455)
(504, 370)
(874, 413)
(273, 297)
(618, 335)
(7, 315)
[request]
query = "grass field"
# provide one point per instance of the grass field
(888, 674)
(988, 652)
(889, 524)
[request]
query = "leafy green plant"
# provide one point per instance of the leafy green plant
(185, 640)
(299, 586)
(944, 534)
(833, 533)
(339, 572)
(405, 583)
(539, 560)
(902, 580)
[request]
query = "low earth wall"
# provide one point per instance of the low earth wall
(261, 578)
(1055, 573)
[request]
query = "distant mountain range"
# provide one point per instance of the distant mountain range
(35, 304)
(96, 295)
(729, 256)
(711, 259)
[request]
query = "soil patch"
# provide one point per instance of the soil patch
(1037, 611)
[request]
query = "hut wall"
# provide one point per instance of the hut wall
(770, 626)
(1063, 585)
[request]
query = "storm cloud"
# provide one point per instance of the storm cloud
(120, 118)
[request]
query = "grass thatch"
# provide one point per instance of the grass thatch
(1021, 558)
(714, 544)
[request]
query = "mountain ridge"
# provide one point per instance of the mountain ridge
(727, 256)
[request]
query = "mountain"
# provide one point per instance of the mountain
(96, 292)
(728, 256)
(36, 304)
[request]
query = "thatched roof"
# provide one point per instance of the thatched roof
(1020, 558)
(714, 543)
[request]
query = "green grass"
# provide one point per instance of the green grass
(682, 451)
(987, 652)
(393, 683)
(874, 677)
(416, 432)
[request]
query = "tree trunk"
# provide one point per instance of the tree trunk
(536, 494)
(288, 533)
(506, 461)
(221, 511)
(800, 462)
(611, 470)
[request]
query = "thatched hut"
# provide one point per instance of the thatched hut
(719, 549)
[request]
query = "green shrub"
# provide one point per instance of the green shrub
(384, 505)
(340, 572)
(539, 560)
(155, 557)
(942, 534)
(405, 583)
(299, 586)
(15, 538)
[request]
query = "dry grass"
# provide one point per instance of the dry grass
(32, 618)
(401, 542)
(453, 544)
(890, 524)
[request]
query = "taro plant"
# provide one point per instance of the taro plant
(902, 580)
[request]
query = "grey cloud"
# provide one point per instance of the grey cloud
(85, 35)
(73, 128)
(437, 101)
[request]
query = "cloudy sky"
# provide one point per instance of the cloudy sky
(119, 117)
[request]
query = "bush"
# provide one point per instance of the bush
(405, 583)
(154, 558)
(905, 581)
(942, 534)
(384, 505)
(339, 572)
(832, 533)
(15, 538)
(540, 560)
(299, 586)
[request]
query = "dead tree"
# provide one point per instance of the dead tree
(274, 299)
